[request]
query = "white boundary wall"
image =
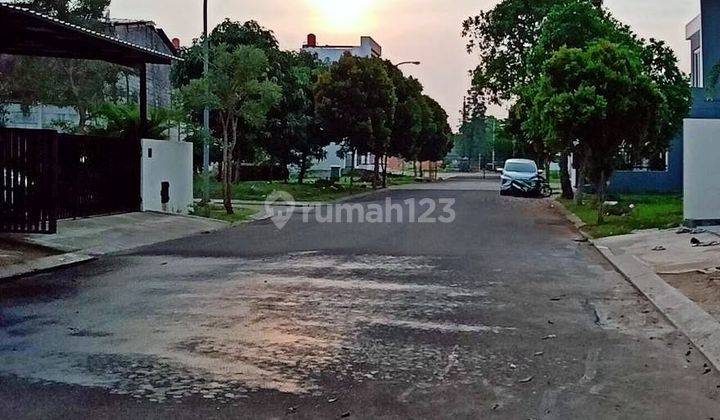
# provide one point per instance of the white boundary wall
(702, 171)
(171, 162)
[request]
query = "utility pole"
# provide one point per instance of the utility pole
(493, 144)
(206, 111)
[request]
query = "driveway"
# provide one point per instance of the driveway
(499, 314)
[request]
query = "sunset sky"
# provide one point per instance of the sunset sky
(424, 30)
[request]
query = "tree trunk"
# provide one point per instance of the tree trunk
(601, 193)
(385, 171)
(376, 172)
(303, 169)
(227, 168)
(565, 182)
(421, 170)
(415, 172)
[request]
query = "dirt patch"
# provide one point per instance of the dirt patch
(15, 252)
(703, 289)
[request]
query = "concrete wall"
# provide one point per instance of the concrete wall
(702, 171)
(171, 162)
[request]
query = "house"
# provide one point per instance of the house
(701, 145)
(49, 175)
(334, 162)
(142, 33)
(666, 174)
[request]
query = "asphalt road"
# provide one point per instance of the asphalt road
(499, 314)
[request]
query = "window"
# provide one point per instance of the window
(697, 69)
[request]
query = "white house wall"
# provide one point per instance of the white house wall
(171, 162)
(702, 171)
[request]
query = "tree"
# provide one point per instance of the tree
(81, 84)
(237, 87)
(80, 12)
(513, 40)
(293, 133)
(502, 37)
(407, 121)
(355, 102)
(233, 34)
(599, 101)
(435, 140)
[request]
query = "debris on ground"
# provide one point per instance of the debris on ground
(550, 337)
(685, 230)
(345, 414)
(332, 400)
(697, 243)
(659, 248)
(526, 380)
(581, 239)
(539, 353)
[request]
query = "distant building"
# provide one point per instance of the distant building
(328, 54)
(332, 53)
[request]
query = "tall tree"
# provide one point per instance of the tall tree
(242, 95)
(599, 100)
(435, 140)
(355, 102)
(293, 135)
(407, 122)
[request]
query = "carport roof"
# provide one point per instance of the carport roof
(26, 32)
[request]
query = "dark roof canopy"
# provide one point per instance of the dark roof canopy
(26, 32)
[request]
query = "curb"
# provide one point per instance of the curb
(572, 218)
(42, 265)
(702, 329)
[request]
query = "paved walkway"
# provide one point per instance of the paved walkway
(106, 234)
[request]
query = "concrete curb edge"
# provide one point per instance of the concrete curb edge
(42, 265)
(702, 329)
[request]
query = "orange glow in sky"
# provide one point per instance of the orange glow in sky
(344, 16)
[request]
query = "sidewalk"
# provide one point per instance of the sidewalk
(681, 280)
(82, 240)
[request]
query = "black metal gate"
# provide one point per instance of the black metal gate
(46, 176)
(28, 180)
(98, 175)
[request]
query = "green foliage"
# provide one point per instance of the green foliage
(123, 120)
(639, 212)
(502, 37)
(293, 134)
(80, 12)
(355, 101)
(407, 121)
(435, 140)
(258, 191)
(238, 89)
(231, 33)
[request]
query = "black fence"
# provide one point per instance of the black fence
(46, 176)
(28, 180)
(97, 175)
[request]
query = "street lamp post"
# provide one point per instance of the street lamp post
(206, 111)
(415, 63)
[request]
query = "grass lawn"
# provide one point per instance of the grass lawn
(649, 212)
(241, 214)
(309, 191)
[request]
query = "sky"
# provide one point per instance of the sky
(424, 30)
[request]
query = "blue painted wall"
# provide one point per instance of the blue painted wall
(702, 108)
